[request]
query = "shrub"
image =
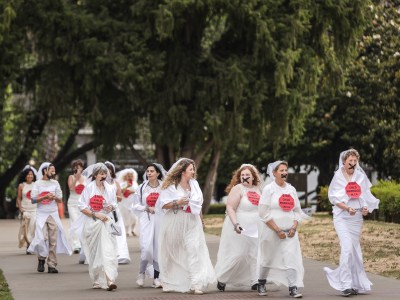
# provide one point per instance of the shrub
(323, 200)
(389, 194)
(216, 209)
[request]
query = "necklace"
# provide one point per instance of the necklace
(154, 186)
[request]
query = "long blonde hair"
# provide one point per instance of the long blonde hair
(175, 173)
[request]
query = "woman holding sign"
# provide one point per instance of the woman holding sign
(185, 264)
(97, 202)
(350, 194)
(279, 247)
(144, 203)
(237, 255)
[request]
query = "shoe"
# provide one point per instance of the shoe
(262, 291)
(293, 292)
(96, 285)
(40, 267)
(52, 270)
(111, 286)
(354, 291)
(346, 292)
(77, 250)
(254, 287)
(196, 292)
(221, 286)
(157, 283)
(140, 280)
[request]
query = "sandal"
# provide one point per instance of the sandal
(96, 285)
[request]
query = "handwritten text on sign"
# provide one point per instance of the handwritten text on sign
(96, 202)
(286, 202)
(79, 188)
(152, 199)
(353, 190)
(253, 197)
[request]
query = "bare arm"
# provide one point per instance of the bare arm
(94, 215)
(119, 191)
(19, 197)
(232, 205)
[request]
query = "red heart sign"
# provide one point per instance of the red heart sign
(79, 188)
(96, 202)
(286, 202)
(28, 195)
(44, 201)
(253, 197)
(152, 199)
(127, 193)
(353, 190)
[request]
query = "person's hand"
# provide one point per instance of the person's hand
(101, 217)
(351, 211)
(151, 210)
(183, 201)
(237, 228)
(364, 211)
(108, 208)
(292, 232)
(51, 196)
(281, 234)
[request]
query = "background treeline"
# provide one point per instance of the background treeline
(221, 81)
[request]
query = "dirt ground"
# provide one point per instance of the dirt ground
(380, 242)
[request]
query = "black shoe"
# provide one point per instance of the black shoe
(347, 292)
(52, 270)
(254, 287)
(76, 251)
(40, 267)
(354, 291)
(221, 286)
(262, 291)
(293, 292)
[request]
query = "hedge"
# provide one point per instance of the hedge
(216, 209)
(388, 192)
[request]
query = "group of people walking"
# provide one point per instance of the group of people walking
(259, 240)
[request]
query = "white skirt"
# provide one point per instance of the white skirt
(237, 255)
(100, 248)
(122, 245)
(183, 254)
(350, 273)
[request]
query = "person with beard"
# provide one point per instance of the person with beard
(237, 254)
(95, 227)
(350, 195)
(50, 237)
(280, 256)
(144, 203)
(26, 207)
(76, 184)
(184, 260)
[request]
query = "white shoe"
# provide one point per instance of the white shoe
(140, 280)
(157, 283)
(196, 292)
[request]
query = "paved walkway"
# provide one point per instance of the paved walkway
(73, 281)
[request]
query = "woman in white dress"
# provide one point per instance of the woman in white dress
(184, 260)
(350, 195)
(237, 255)
(123, 251)
(145, 200)
(26, 208)
(97, 202)
(127, 180)
(76, 184)
(280, 256)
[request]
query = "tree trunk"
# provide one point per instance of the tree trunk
(211, 178)
(63, 162)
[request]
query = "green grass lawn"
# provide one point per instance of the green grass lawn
(5, 293)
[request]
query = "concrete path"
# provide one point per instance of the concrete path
(73, 281)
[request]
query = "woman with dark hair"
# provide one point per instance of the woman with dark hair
(185, 264)
(237, 254)
(144, 203)
(122, 245)
(76, 184)
(26, 208)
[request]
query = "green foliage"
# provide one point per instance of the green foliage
(216, 209)
(323, 201)
(5, 293)
(388, 192)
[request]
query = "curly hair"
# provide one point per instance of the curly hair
(350, 152)
(22, 176)
(236, 177)
(174, 176)
(125, 177)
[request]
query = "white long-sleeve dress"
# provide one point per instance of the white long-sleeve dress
(355, 194)
(183, 254)
(237, 254)
(280, 257)
(99, 244)
(149, 226)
